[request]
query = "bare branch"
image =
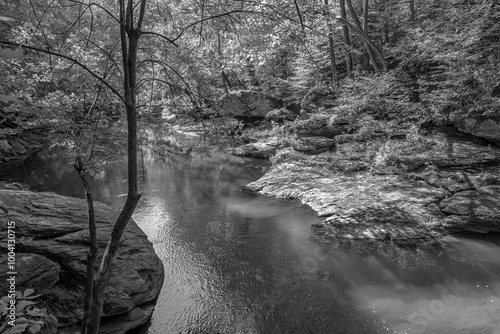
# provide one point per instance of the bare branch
(300, 15)
(160, 35)
(42, 30)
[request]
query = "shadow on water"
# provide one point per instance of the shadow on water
(237, 262)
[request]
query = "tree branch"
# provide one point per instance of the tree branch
(159, 35)
(211, 18)
(74, 61)
(97, 5)
(300, 15)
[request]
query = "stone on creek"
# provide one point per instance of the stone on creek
(51, 250)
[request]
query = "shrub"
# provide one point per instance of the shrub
(28, 318)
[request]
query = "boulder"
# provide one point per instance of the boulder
(321, 125)
(38, 272)
(477, 209)
(248, 103)
(281, 115)
(450, 154)
(313, 145)
(256, 150)
(487, 128)
(52, 245)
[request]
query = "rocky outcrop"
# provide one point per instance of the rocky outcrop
(476, 210)
(281, 115)
(449, 153)
(248, 103)
(52, 245)
(488, 129)
(313, 145)
(462, 195)
(256, 150)
(322, 126)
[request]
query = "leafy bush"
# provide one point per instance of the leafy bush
(28, 318)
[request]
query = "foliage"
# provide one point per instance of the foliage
(29, 318)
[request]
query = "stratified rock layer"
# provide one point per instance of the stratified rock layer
(402, 208)
(256, 150)
(51, 258)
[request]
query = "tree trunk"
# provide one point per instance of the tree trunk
(93, 250)
(129, 37)
(225, 81)
(412, 10)
(331, 45)
(300, 16)
(252, 73)
(347, 39)
(333, 61)
(368, 53)
(370, 43)
(366, 56)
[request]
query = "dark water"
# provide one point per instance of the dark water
(237, 262)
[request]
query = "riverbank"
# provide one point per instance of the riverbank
(408, 188)
(51, 236)
(399, 208)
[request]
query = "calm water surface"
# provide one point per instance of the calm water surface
(237, 262)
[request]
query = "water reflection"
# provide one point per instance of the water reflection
(237, 262)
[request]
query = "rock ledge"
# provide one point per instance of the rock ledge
(52, 259)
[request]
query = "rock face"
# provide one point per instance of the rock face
(451, 154)
(316, 126)
(476, 209)
(52, 258)
(281, 115)
(322, 126)
(256, 150)
(403, 208)
(488, 129)
(247, 103)
(313, 145)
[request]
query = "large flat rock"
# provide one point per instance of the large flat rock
(52, 257)
(361, 205)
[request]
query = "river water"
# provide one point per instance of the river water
(238, 262)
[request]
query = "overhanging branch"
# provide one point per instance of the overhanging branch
(74, 61)
(160, 35)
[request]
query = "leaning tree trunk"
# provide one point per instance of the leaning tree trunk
(331, 45)
(347, 39)
(368, 54)
(412, 10)
(129, 37)
(92, 255)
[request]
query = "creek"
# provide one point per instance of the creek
(238, 262)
